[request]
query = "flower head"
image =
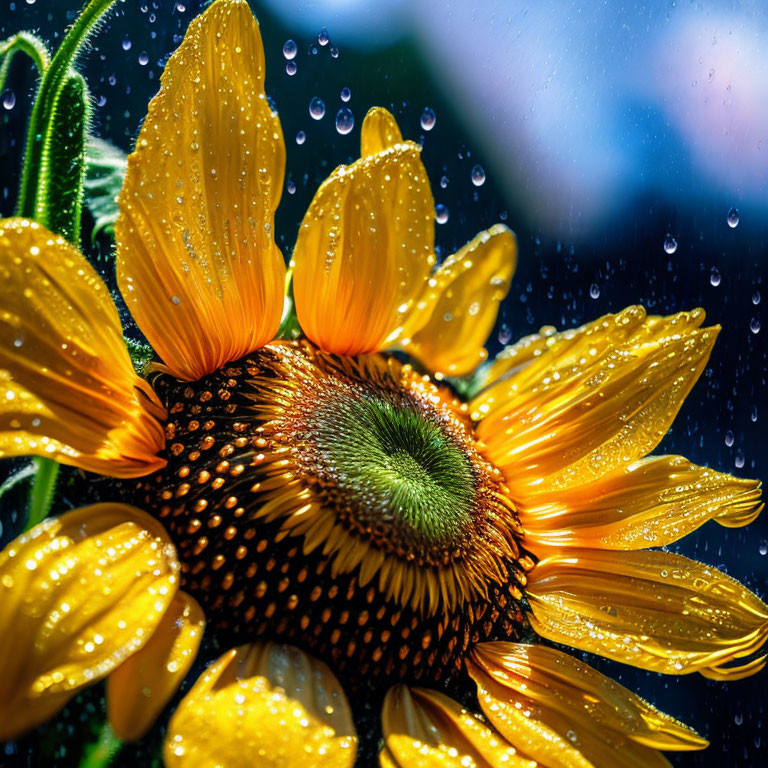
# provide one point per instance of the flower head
(329, 491)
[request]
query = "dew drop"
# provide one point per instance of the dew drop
(594, 291)
(9, 100)
(346, 94)
(301, 137)
(289, 49)
(443, 182)
(738, 460)
(478, 175)
(733, 218)
(290, 68)
(756, 298)
(428, 119)
(143, 58)
(175, 299)
(441, 213)
(291, 186)
(335, 52)
(317, 108)
(754, 325)
(729, 438)
(763, 548)
(670, 244)
(323, 37)
(505, 334)
(714, 277)
(345, 120)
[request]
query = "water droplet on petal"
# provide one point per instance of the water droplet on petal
(428, 119)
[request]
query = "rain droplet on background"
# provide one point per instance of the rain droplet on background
(127, 44)
(9, 100)
(290, 68)
(317, 108)
(441, 213)
(323, 37)
(714, 277)
(290, 186)
(345, 120)
(346, 94)
(594, 291)
(335, 52)
(301, 137)
(733, 218)
(428, 119)
(478, 175)
(143, 58)
(670, 244)
(754, 325)
(289, 49)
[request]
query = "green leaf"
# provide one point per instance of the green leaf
(43, 488)
(105, 171)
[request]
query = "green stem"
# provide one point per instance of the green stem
(41, 495)
(103, 752)
(50, 85)
(23, 42)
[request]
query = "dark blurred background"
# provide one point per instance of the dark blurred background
(623, 144)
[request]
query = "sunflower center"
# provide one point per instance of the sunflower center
(389, 463)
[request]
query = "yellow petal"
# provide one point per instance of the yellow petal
(267, 705)
(364, 251)
(651, 503)
(379, 131)
(196, 259)
(569, 697)
(78, 595)
(655, 610)
(593, 400)
(424, 728)
(142, 685)
(458, 309)
(67, 387)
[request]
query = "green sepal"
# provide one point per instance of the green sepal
(60, 193)
(289, 324)
(42, 491)
(141, 354)
(105, 166)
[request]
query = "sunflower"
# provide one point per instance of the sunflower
(329, 500)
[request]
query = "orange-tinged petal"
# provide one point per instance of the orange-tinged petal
(651, 503)
(196, 259)
(593, 400)
(571, 697)
(364, 251)
(142, 685)
(78, 595)
(263, 704)
(425, 728)
(379, 131)
(67, 387)
(458, 309)
(655, 610)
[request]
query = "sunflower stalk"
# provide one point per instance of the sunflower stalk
(53, 173)
(27, 43)
(53, 109)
